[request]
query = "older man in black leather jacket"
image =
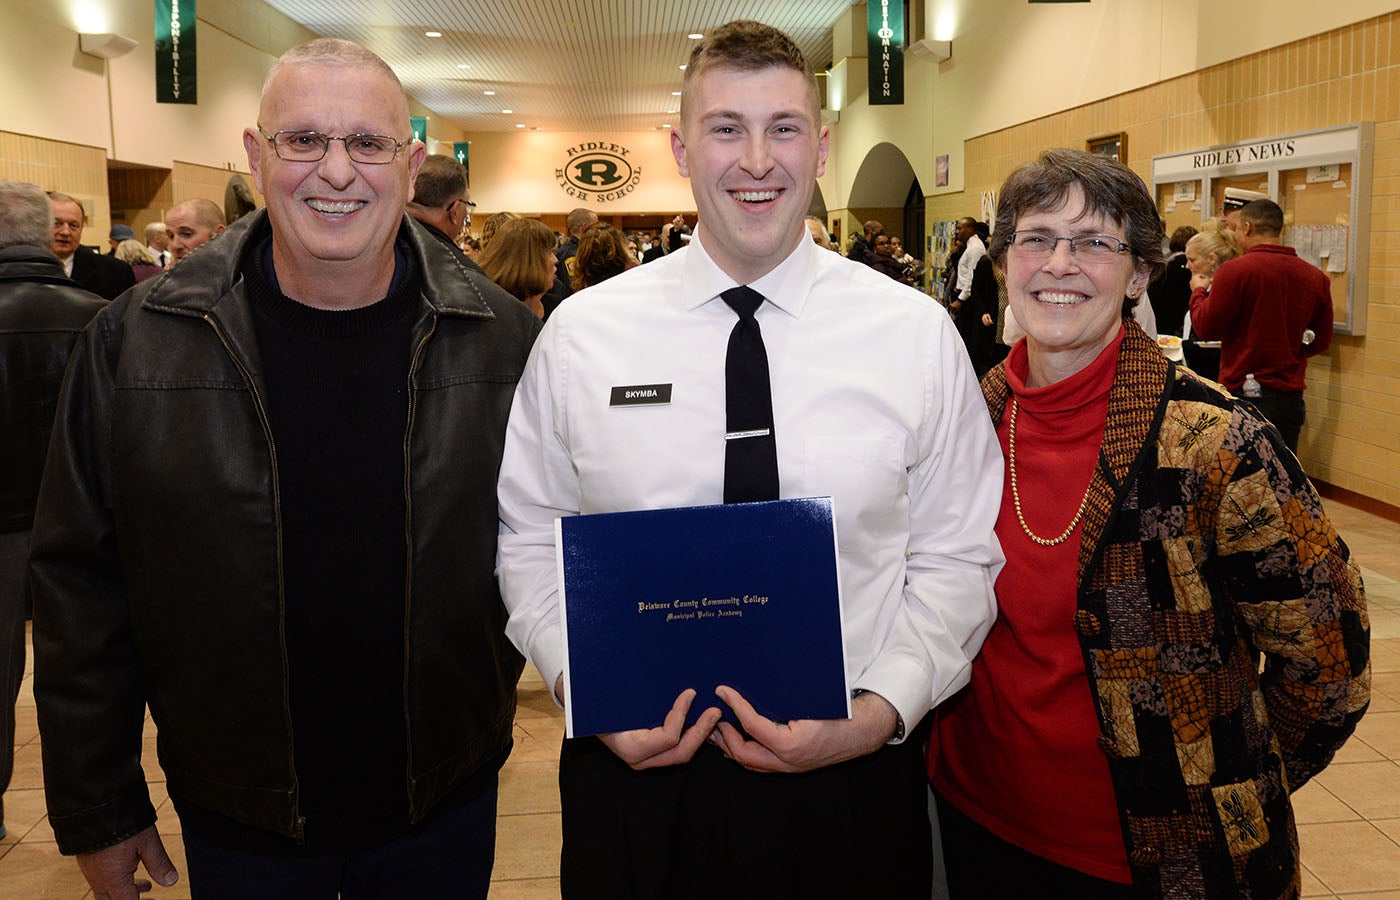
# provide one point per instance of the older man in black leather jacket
(270, 514)
(41, 314)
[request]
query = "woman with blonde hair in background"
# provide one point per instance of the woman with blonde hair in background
(134, 254)
(1205, 251)
(520, 258)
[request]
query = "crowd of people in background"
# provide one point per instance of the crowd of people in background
(969, 285)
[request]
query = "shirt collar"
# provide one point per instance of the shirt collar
(786, 286)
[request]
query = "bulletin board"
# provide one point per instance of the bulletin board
(940, 244)
(1181, 203)
(1316, 205)
(1322, 181)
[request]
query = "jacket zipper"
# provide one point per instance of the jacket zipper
(299, 821)
(408, 562)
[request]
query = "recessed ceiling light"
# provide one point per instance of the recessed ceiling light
(519, 124)
(432, 34)
(507, 111)
(682, 67)
(672, 112)
(695, 36)
(667, 125)
(675, 93)
(489, 93)
(464, 65)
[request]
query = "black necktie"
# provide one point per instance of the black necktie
(750, 452)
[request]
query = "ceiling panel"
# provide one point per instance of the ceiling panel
(559, 65)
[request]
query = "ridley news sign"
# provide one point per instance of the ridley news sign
(598, 172)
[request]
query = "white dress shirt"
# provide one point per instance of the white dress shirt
(967, 263)
(874, 402)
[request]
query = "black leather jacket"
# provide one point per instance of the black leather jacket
(156, 551)
(41, 314)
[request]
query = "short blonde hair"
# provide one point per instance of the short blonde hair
(748, 46)
(1216, 239)
(132, 251)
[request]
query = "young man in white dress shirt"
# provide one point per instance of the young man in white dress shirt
(874, 403)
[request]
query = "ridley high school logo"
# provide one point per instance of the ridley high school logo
(597, 172)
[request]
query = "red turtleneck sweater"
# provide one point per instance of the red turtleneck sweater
(1017, 750)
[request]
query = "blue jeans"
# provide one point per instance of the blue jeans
(450, 858)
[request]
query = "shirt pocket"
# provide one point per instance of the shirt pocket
(866, 480)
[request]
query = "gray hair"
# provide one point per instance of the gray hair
(331, 52)
(1110, 189)
(26, 215)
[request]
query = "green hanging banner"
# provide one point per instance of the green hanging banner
(176, 80)
(462, 152)
(419, 124)
(884, 33)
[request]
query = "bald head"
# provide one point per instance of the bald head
(580, 220)
(190, 224)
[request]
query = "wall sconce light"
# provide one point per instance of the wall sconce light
(939, 50)
(105, 46)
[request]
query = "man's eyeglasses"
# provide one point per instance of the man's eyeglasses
(311, 146)
(468, 204)
(1085, 247)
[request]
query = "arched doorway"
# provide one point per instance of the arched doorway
(885, 188)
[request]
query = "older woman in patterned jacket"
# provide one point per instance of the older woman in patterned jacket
(1120, 738)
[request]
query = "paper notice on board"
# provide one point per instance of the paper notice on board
(1304, 239)
(1336, 236)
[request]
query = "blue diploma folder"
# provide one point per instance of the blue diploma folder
(657, 601)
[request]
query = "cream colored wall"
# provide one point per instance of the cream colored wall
(65, 94)
(1352, 435)
(1013, 61)
(516, 172)
(50, 89)
(910, 126)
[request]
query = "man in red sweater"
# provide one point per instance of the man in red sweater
(1259, 307)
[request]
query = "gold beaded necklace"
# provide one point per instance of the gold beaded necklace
(1016, 494)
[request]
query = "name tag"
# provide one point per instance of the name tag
(640, 395)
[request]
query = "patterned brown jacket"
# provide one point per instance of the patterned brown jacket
(1204, 548)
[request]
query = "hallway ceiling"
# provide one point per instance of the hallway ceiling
(558, 65)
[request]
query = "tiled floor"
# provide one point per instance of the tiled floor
(1349, 816)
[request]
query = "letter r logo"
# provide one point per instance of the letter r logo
(597, 172)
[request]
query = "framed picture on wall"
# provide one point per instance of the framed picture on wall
(940, 171)
(1114, 146)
